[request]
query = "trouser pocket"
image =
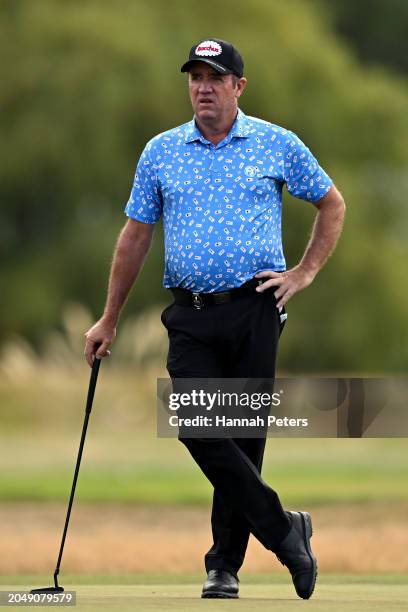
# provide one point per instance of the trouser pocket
(164, 313)
(282, 319)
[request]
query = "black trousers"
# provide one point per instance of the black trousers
(238, 339)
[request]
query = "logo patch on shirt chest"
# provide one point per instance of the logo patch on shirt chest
(251, 171)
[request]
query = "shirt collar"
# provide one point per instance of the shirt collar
(239, 129)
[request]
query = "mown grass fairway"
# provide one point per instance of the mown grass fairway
(139, 467)
(143, 506)
(258, 592)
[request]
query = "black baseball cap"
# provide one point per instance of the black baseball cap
(219, 54)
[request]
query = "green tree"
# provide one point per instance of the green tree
(84, 86)
(376, 30)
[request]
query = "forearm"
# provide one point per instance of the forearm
(326, 231)
(127, 262)
(325, 234)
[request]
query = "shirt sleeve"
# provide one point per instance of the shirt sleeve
(145, 202)
(304, 177)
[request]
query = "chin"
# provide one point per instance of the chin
(205, 114)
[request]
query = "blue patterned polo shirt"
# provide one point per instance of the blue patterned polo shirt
(222, 204)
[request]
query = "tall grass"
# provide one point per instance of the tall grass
(42, 398)
(141, 343)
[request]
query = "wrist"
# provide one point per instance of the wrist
(110, 318)
(308, 270)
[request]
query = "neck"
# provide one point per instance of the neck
(216, 130)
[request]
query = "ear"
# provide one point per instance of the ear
(240, 87)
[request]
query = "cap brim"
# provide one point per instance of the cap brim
(218, 67)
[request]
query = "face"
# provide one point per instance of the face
(214, 96)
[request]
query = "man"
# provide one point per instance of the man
(218, 182)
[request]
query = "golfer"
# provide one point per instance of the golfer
(218, 180)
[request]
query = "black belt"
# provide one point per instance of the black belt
(183, 297)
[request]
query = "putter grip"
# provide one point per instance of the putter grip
(92, 383)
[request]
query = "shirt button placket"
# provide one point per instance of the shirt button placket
(212, 157)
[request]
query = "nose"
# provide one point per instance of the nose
(204, 86)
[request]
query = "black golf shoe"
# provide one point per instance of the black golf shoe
(220, 584)
(295, 552)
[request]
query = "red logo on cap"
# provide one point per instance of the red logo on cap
(208, 48)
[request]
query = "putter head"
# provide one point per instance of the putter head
(52, 589)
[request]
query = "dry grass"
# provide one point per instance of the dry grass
(141, 341)
(124, 539)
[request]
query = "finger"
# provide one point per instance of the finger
(273, 282)
(103, 349)
(268, 274)
(89, 355)
(284, 299)
(281, 291)
(282, 303)
(91, 347)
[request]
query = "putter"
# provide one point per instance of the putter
(91, 392)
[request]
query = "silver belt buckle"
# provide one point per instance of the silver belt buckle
(198, 302)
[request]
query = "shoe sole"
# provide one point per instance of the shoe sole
(219, 595)
(307, 534)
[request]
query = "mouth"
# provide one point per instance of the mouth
(205, 101)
